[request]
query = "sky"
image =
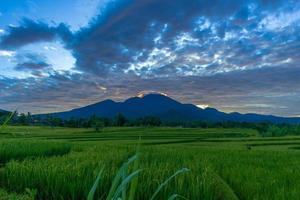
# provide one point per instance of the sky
(232, 55)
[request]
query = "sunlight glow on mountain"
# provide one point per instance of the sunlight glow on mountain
(146, 92)
(202, 106)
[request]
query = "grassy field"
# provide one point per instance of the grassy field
(63, 163)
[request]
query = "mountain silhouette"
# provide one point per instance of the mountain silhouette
(3, 111)
(165, 108)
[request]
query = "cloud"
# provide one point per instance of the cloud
(5, 53)
(277, 22)
(31, 62)
(50, 48)
(30, 31)
(238, 91)
(126, 28)
(154, 38)
(32, 66)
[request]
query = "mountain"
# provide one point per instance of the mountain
(165, 108)
(3, 111)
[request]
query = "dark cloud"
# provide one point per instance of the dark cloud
(30, 31)
(31, 66)
(119, 34)
(152, 38)
(259, 90)
(31, 62)
(125, 33)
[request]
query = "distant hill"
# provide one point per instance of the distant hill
(3, 111)
(167, 109)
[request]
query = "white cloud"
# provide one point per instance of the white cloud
(277, 22)
(4, 53)
(202, 24)
(156, 58)
(230, 36)
(192, 57)
(12, 25)
(56, 55)
(101, 87)
(50, 48)
(185, 39)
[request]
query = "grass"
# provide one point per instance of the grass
(220, 166)
(16, 149)
(29, 195)
(68, 176)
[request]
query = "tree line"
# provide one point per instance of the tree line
(92, 122)
(98, 123)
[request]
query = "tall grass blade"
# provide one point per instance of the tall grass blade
(123, 178)
(7, 120)
(124, 183)
(134, 182)
(174, 196)
(225, 191)
(183, 170)
(96, 183)
(118, 177)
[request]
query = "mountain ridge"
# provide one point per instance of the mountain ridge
(165, 108)
(3, 111)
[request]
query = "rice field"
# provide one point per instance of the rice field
(63, 163)
(14, 149)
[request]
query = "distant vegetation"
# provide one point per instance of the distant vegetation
(98, 123)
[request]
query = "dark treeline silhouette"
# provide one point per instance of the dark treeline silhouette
(3, 116)
(93, 122)
(98, 123)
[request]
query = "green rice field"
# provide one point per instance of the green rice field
(63, 163)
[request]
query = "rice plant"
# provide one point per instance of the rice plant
(27, 195)
(121, 181)
(19, 149)
(220, 168)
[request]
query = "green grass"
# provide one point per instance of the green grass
(221, 167)
(29, 195)
(16, 149)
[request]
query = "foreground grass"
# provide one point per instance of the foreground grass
(220, 167)
(4, 195)
(250, 174)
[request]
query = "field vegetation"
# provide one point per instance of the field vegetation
(222, 163)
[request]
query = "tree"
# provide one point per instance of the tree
(28, 119)
(120, 120)
(276, 130)
(55, 121)
(148, 121)
(97, 123)
(22, 119)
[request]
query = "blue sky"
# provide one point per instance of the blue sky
(234, 55)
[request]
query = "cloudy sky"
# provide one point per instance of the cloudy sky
(233, 55)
